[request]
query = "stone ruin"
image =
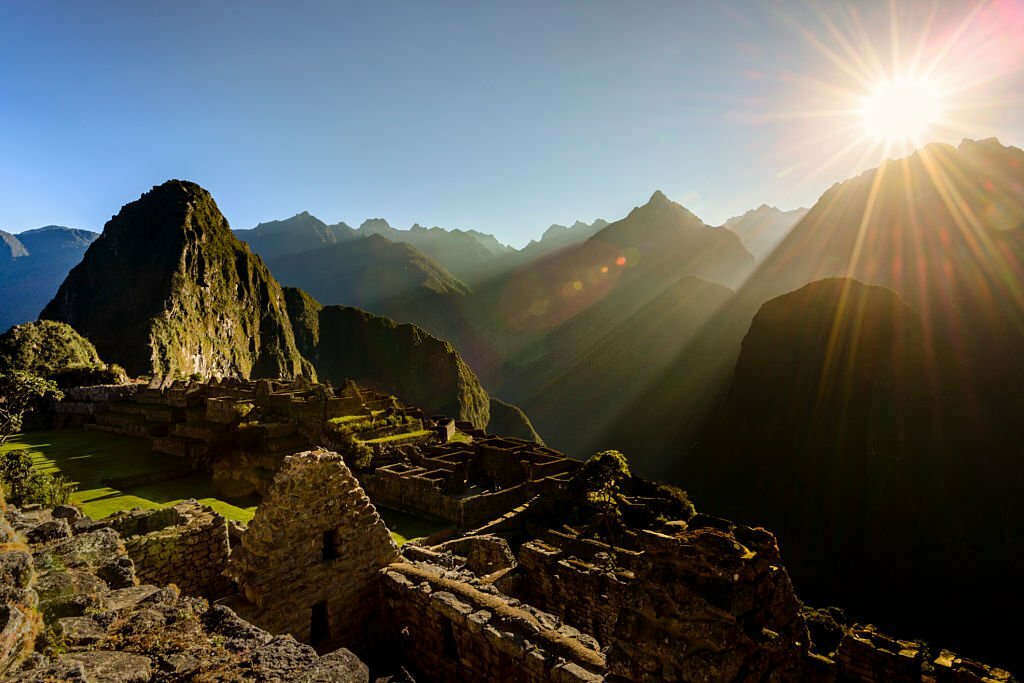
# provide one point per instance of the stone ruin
(73, 608)
(317, 533)
(467, 484)
(540, 599)
(239, 431)
(528, 584)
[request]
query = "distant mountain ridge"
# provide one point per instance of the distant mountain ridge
(33, 263)
(763, 228)
(167, 290)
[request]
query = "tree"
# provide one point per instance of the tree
(598, 483)
(18, 392)
(23, 484)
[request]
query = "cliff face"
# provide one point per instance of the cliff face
(347, 343)
(168, 290)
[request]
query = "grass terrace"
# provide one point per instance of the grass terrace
(89, 458)
(92, 459)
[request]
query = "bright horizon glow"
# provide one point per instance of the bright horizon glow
(903, 110)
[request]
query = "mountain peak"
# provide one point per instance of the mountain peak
(659, 198)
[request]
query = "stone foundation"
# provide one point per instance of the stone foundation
(449, 630)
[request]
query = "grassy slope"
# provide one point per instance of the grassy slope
(86, 457)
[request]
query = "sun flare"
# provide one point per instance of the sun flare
(902, 110)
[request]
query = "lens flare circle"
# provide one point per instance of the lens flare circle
(902, 109)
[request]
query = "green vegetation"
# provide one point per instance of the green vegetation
(357, 424)
(86, 458)
(422, 370)
(18, 392)
(601, 475)
(171, 291)
(44, 347)
(23, 484)
(406, 527)
(401, 437)
(55, 351)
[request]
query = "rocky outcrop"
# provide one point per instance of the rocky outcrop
(168, 290)
(347, 343)
(101, 625)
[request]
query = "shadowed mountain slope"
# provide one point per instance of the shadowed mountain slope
(302, 232)
(943, 228)
(838, 432)
(348, 343)
(763, 228)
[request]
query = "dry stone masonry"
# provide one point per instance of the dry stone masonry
(309, 562)
(532, 580)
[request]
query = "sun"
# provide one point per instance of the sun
(902, 110)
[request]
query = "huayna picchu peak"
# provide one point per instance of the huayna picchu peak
(168, 290)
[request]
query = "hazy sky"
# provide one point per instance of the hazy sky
(499, 116)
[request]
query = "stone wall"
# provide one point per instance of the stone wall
(444, 629)
(185, 544)
(417, 494)
(309, 562)
(588, 595)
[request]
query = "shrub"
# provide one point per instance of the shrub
(19, 392)
(89, 375)
(601, 474)
(24, 485)
(356, 453)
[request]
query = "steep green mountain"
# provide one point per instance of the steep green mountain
(348, 343)
(32, 266)
(376, 274)
(763, 228)
(302, 232)
(510, 420)
(168, 290)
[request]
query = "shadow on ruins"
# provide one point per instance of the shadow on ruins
(538, 572)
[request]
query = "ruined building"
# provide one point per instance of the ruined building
(533, 579)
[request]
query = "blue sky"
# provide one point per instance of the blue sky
(502, 117)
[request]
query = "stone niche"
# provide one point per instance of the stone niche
(309, 562)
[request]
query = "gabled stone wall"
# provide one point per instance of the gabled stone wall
(309, 562)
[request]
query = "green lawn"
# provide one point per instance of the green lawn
(406, 527)
(86, 457)
(398, 437)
